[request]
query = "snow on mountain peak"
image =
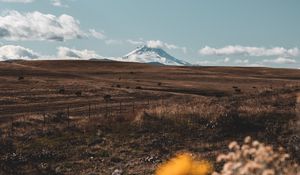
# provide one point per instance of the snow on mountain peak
(145, 54)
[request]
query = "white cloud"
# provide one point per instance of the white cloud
(39, 26)
(95, 34)
(226, 60)
(280, 60)
(171, 46)
(58, 3)
(64, 52)
(113, 42)
(17, 1)
(206, 62)
(250, 51)
(133, 42)
(241, 61)
(16, 52)
(161, 44)
(214, 62)
(155, 44)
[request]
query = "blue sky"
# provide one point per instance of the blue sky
(211, 32)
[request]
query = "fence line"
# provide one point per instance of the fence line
(110, 109)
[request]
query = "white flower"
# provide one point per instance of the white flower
(247, 139)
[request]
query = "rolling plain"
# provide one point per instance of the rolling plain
(92, 117)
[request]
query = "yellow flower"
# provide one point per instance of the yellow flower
(184, 165)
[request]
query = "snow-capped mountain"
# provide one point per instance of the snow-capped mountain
(146, 54)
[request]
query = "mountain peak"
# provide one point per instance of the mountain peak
(145, 54)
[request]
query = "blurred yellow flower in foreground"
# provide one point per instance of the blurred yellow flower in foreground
(184, 164)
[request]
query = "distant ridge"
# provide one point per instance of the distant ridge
(143, 54)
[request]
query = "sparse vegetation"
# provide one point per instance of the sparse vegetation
(133, 130)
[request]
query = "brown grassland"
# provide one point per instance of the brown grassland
(93, 117)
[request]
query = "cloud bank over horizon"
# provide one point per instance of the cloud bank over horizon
(12, 52)
(274, 55)
(65, 52)
(250, 51)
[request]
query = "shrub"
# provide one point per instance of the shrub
(255, 158)
(21, 78)
(238, 90)
(61, 90)
(78, 93)
(107, 97)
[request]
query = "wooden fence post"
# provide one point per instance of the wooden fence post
(109, 109)
(133, 106)
(12, 126)
(106, 108)
(68, 114)
(99, 110)
(89, 110)
(44, 120)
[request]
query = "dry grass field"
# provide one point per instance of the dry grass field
(93, 117)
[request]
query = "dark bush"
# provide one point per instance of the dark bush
(107, 97)
(78, 93)
(61, 90)
(59, 117)
(238, 90)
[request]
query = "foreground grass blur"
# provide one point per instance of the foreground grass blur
(184, 164)
(251, 158)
